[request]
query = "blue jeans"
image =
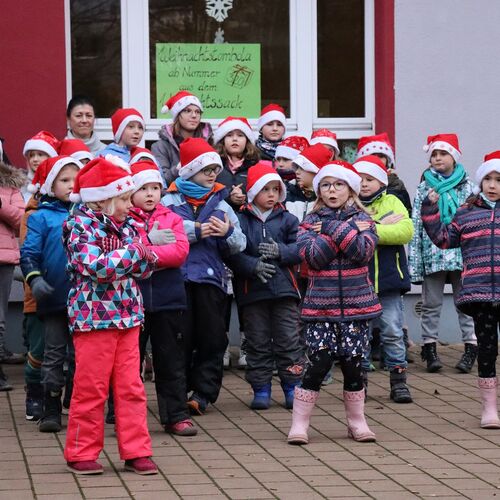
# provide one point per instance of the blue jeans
(390, 324)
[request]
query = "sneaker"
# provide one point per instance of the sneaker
(328, 378)
(86, 467)
(143, 466)
(12, 358)
(242, 360)
(197, 404)
(182, 428)
(227, 359)
(34, 402)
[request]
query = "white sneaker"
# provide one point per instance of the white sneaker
(227, 359)
(242, 360)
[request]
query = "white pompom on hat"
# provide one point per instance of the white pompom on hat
(261, 174)
(180, 101)
(443, 142)
(341, 170)
(47, 172)
(234, 123)
(490, 164)
(373, 166)
(271, 113)
(196, 154)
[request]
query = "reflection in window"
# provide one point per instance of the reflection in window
(341, 74)
(96, 64)
(256, 21)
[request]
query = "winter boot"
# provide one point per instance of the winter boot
(288, 391)
(34, 402)
(52, 407)
(429, 354)
(357, 428)
(303, 405)
(399, 390)
(110, 416)
(489, 414)
(261, 397)
(468, 358)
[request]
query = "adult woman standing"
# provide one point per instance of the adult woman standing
(186, 111)
(81, 120)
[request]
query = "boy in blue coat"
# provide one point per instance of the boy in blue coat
(43, 263)
(266, 288)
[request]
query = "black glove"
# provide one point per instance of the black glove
(269, 250)
(264, 270)
(40, 288)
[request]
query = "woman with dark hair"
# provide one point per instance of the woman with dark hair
(81, 120)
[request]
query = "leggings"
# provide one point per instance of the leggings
(321, 362)
(486, 320)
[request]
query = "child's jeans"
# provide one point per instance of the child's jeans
(104, 356)
(390, 324)
(432, 302)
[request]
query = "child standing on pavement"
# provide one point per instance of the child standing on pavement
(272, 128)
(105, 257)
(475, 229)
(432, 266)
(337, 240)
(266, 288)
(388, 268)
(164, 297)
(214, 233)
(43, 262)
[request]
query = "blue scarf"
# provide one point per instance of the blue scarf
(191, 189)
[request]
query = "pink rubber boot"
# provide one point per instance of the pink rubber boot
(489, 414)
(303, 405)
(357, 428)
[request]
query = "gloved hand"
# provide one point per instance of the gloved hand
(40, 288)
(143, 251)
(161, 236)
(269, 250)
(264, 270)
(110, 243)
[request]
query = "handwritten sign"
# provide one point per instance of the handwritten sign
(225, 77)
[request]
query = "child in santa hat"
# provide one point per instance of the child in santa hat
(388, 269)
(76, 149)
(475, 230)
(186, 110)
(214, 233)
(272, 128)
(266, 289)
(337, 240)
(43, 263)
(288, 149)
(164, 297)
(433, 267)
(105, 258)
(128, 128)
(328, 139)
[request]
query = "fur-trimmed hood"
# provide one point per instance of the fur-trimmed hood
(12, 176)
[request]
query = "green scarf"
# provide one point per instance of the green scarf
(445, 187)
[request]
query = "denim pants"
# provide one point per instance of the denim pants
(390, 324)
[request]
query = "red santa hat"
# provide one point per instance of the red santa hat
(144, 172)
(180, 101)
(234, 123)
(341, 170)
(140, 154)
(75, 148)
(47, 172)
(379, 143)
(443, 142)
(490, 164)
(291, 147)
(373, 166)
(259, 175)
(102, 179)
(196, 154)
(121, 118)
(271, 113)
(43, 141)
(313, 158)
(325, 136)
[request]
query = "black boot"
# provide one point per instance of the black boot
(399, 390)
(110, 416)
(4, 381)
(52, 408)
(429, 354)
(468, 358)
(34, 402)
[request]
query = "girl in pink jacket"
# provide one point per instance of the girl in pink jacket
(164, 297)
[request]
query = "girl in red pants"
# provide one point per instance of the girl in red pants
(105, 311)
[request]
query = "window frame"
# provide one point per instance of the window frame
(303, 54)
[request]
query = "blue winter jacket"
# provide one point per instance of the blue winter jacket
(43, 254)
(282, 227)
(205, 260)
(114, 149)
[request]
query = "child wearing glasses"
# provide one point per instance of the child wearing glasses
(213, 233)
(337, 240)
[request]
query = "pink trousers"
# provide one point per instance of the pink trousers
(104, 357)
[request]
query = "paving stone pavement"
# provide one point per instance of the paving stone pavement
(431, 448)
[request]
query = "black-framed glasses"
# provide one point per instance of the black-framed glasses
(337, 186)
(211, 170)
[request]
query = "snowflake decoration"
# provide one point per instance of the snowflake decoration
(219, 36)
(218, 9)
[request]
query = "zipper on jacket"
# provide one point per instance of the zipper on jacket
(375, 265)
(341, 291)
(492, 254)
